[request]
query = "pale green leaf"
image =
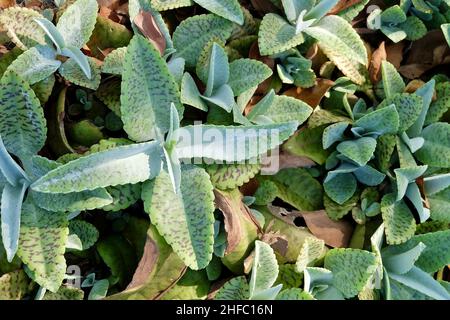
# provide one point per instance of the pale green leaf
(190, 94)
(72, 72)
(230, 9)
(163, 5)
(121, 165)
(148, 89)
(185, 220)
(436, 149)
(113, 62)
(392, 80)
(381, 121)
(247, 73)
(441, 105)
(360, 150)
(22, 125)
(398, 220)
(312, 249)
(264, 269)
(231, 176)
(43, 237)
(409, 107)
(77, 22)
(294, 294)
(340, 187)
(14, 285)
(234, 289)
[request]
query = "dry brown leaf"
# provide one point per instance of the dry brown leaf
(336, 234)
(146, 24)
(287, 160)
(394, 53)
(146, 264)
(311, 96)
(7, 3)
(375, 63)
(413, 85)
(232, 214)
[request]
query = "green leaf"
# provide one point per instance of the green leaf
(340, 187)
(14, 285)
(84, 63)
(333, 133)
(123, 196)
(85, 231)
(440, 205)
(360, 150)
(426, 92)
(192, 34)
(121, 165)
(72, 72)
(65, 293)
(42, 243)
(405, 176)
(382, 121)
(312, 249)
(284, 109)
(385, 148)
(190, 94)
(441, 105)
(186, 220)
(113, 62)
(22, 125)
(217, 68)
(434, 256)
(277, 35)
(52, 33)
(409, 107)
(109, 94)
(308, 142)
(43, 89)
(446, 31)
(247, 73)
(246, 142)
(230, 10)
(21, 27)
(234, 289)
(294, 294)
(392, 80)
(414, 28)
(336, 211)
(401, 262)
(35, 64)
(287, 273)
(77, 22)
(264, 269)
(99, 290)
(231, 176)
(398, 220)
(342, 45)
(163, 5)
(351, 268)
(148, 89)
(436, 149)
(369, 175)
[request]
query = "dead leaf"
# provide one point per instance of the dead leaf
(7, 3)
(146, 264)
(394, 53)
(146, 24)
(336, 234)
(275, 239)
(233, 212)
(413, 85)
(311, 96)
(378, 56)
(288, 160)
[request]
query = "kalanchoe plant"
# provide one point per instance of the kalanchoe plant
(41, 60)
(295, 69)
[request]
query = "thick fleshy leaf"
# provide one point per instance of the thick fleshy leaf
(423, 282)
(446, 31)
(333, 133)
(42, 243)
(77, 22)
(284, 109)
(440, 205)
(312, 250)
(341, 187)
(234, 289)
(148, 89)
(52, 33)
(436, 149)
(185, 220)
(426, 92)
(398, 220)
(11, 206)
(405, 176)
(369, 175)
(392, 80)
(230, 176)
(22, 125)
(109, 94)
(162, 5)
(230, 9)
(382, 121)
(190, 94)
(264, 269)
(277, 35)
(247, 73)
(216, 68)
(35, 64)
(195, 32)
(294, 294)
(21, 27)
(360, 150)
(228, 143)
(340, 42)
(351, 269)
(85, 231)
(65, 293)
(122, 165)
(72, 72)
(440, 106)
(434, 256)
(113, 62)
(409, 107)
(400, 262)
(223, 97)
(14, 285)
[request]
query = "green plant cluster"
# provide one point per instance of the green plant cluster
(104, 195)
